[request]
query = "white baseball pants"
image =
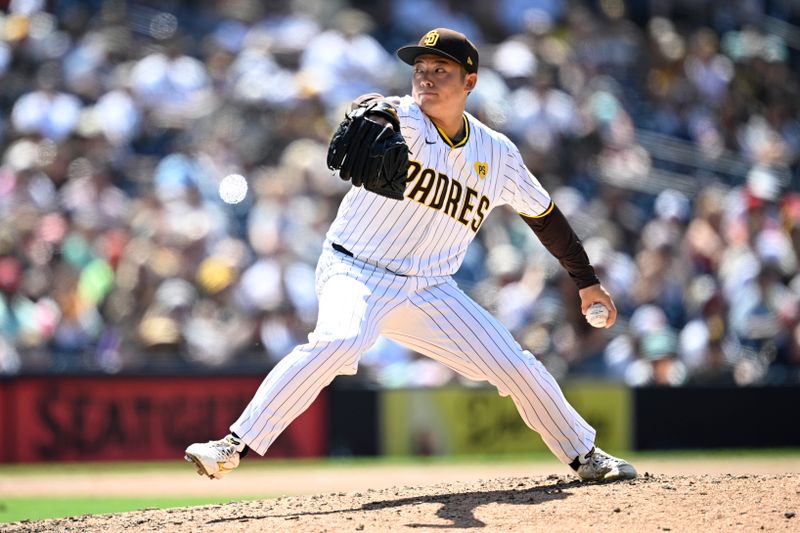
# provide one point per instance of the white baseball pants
(432, 316)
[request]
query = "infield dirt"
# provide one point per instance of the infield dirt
(653, 502)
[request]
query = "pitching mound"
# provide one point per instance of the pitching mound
(553, 503)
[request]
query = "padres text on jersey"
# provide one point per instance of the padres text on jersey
(450, 191)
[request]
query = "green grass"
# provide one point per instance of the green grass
(37, 508)
(111, 467)
(334, 463)
(13, 509)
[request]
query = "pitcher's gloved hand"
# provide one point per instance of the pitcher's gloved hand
(370, 154)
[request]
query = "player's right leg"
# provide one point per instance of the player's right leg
(353, 299)
(443, 323)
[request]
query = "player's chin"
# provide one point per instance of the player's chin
(425, 99)
(428, 105)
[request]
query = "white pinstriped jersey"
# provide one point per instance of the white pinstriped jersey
(450, 191)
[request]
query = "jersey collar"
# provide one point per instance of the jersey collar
(460, 143)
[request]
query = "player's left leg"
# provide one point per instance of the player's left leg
(445, 324)
(353, 299)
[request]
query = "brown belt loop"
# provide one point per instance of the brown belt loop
(339, 248)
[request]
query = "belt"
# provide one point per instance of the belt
(341, 249)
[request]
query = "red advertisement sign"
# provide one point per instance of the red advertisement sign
(4, 424)
(132, 418)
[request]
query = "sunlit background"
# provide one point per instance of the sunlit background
(164, 198)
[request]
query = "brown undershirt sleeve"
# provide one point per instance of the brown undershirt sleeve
(558, 237)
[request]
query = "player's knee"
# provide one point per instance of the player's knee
(516, 364)
(529, 360)
(343, 351)
(349, 368)
(524, 363)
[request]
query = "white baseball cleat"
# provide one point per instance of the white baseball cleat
(600, 466)
(215, 458)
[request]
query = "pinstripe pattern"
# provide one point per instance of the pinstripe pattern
(411, 238)
(358, 302)
(445, 324)
(354, 299)
(398, 284)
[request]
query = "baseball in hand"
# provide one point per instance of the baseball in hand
(597, 315)
(233, 188)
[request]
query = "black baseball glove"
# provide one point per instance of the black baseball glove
(370, 154)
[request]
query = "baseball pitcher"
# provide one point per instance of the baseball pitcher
(425, 176)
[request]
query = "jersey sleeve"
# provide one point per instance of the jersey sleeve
(408, 113)
(521, 189)
(411, 123)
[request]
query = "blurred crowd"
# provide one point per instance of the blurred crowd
(666, 130)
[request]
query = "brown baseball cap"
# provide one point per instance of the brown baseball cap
(446, 43)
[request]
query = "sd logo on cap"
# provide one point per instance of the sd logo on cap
(431, 38)
(446, 43)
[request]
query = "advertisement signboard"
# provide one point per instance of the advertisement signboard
(478, 421)
(131, 418)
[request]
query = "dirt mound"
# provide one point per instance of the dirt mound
(552, 503)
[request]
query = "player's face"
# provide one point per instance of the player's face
(440, 86)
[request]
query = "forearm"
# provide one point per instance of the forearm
(555, 233)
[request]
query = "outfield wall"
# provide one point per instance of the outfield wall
(457, 421)
(132, 418)
(716, 417)
(155, 417)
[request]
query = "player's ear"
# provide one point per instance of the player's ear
(470, 82)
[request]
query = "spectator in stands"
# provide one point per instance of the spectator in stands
(673, 148)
